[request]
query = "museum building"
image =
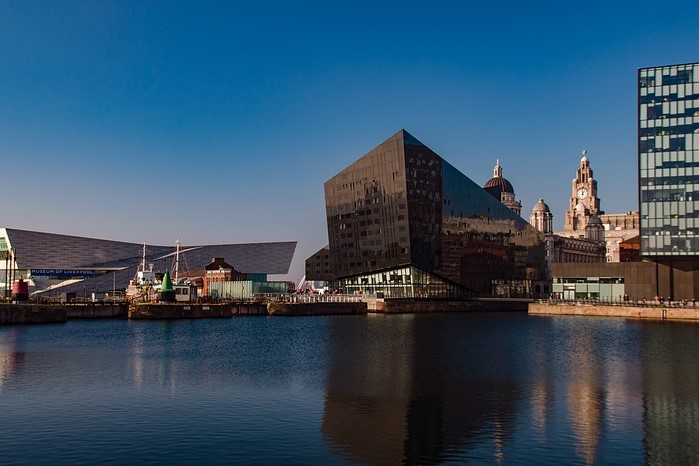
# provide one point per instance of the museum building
(56, 263)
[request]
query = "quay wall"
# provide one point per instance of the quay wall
(178, 311)
(194, 311)
(399, 306)
(630, 312)
(249, 309)
(316, 309)
(96, 311)
(12, 314)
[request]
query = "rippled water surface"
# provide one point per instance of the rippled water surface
(446, 389)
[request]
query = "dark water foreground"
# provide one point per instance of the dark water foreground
(448, 388)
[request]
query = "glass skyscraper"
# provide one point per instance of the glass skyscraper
(668, 147)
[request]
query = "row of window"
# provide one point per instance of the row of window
(668, 160)
(664, 178)
(662, 195)
(668, 76)
(678, 129)
(590, 280)
(671, 230)
(665, 110)
(669, 208)
(667, 143)
(670, 244)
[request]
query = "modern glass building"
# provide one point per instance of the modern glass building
(403, 211)
(668, 147)
(668, 154)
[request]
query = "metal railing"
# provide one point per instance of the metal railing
(322, 298)
(620, 302)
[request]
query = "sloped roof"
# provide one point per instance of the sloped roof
(50, 250)
(39, 250)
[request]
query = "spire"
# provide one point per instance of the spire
(497, 171)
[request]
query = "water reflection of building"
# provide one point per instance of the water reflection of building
(586, 394)
(401, 206)
(402, 399)
(671, 395)
(585, 404)
(10, 357)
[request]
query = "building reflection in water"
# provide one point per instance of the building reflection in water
(671, 395)
(138, 346)
(10, 357)
(154, 356)
(541, 400)
(585, 380)
(585, 401)
(168, 362)
(405, 393)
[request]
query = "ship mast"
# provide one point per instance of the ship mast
(177, 259)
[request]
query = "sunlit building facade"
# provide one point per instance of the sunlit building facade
(668, 106)
(401, 213)
(668, 150)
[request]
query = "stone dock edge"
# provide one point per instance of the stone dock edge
(601, 310)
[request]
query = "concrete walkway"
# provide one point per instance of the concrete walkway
(603, 310)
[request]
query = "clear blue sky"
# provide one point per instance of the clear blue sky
(220, 121)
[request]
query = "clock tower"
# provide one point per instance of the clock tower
(583, 201)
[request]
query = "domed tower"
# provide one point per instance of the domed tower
(594, 229)
(541, 217)
(502, 190)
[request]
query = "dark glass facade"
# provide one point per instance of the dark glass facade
(668, 147)
(402, 204)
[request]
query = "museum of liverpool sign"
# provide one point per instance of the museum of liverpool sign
(62, 274)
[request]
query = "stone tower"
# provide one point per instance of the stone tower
(583, 201)
(541, 217)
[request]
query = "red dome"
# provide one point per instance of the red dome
(498, 185)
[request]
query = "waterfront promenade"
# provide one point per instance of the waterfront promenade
(270, 305)
(686, 311)
(320, 305)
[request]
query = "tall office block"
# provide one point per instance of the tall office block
(668, 151)
(668, 146)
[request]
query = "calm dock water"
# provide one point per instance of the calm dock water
(387, 389)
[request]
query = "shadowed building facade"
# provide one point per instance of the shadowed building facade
(56, 263)
(404, 222)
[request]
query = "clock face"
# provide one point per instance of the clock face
(582, 193)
